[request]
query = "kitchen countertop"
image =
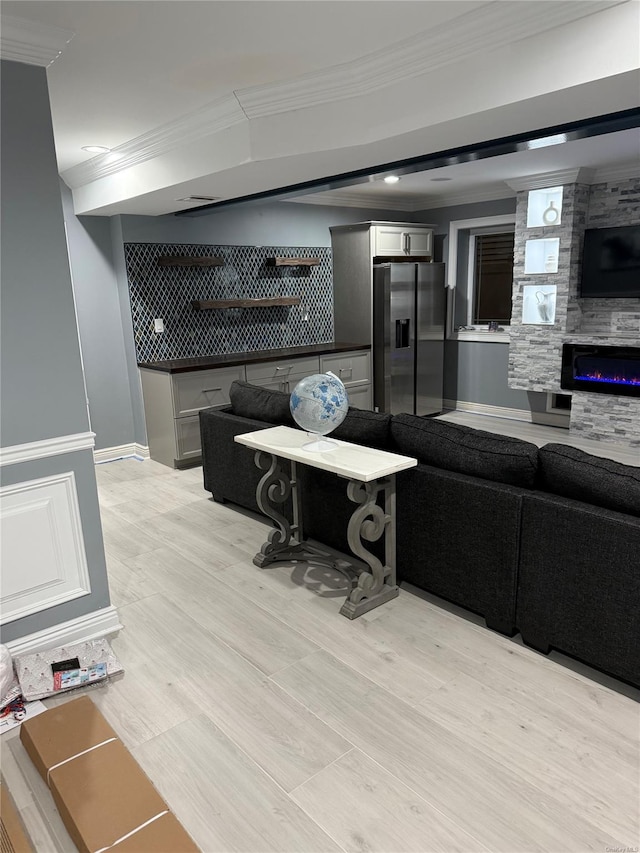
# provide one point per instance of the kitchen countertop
(208, 362)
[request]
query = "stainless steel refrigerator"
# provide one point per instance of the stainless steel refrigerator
(408, 337)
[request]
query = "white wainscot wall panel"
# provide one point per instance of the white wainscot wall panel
(42, 550)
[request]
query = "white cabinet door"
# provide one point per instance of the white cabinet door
(388, 240)
(396, 241)
(187, 438)
(420, 242)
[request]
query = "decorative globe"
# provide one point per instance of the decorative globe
(319, 404)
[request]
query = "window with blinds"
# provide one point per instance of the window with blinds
(493, 277)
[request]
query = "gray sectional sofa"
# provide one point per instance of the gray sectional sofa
(541, 541)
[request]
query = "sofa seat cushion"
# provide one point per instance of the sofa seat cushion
(260, 404)
(466, 450)
(361, 426)
(575, 474)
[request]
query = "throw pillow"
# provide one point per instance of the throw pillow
(575, 474)
(466, 450)
(260, 404)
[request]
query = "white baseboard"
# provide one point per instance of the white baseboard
(121, 451)
(546, 418)
(491, 411)
(93, 626)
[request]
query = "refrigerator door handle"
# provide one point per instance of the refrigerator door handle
(402, 334)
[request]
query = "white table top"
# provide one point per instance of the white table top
(347, 460)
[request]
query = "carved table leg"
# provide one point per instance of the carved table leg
(286, 541)
(370, 522)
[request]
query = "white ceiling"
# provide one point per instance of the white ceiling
(601, 158)
(132, 66)
(227, 97)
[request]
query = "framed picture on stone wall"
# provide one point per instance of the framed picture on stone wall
(539, 304)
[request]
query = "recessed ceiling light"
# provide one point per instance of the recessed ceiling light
(391, 179)
(441, 179)
(96, 149)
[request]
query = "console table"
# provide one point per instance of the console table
(368, 472)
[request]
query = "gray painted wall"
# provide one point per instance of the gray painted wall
(477, 372)
(100, 325)
(42, 386)
(253, 224)
(43, 391)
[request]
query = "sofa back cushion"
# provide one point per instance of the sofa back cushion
(573, 473)
(468, 451)
(361, 426)
(260, 404)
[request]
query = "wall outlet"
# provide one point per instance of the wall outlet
(158, 325)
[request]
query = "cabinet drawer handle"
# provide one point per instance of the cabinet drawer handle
(210, 390)
(289, 367)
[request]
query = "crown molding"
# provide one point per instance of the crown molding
(18, 453)
(558, 178)
(625, 172)
(481, 30)
(472, 196)
(366, 202)
(30, 42)
(219, 115)
(410, 204)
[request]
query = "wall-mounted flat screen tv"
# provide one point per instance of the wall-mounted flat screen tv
(611, 262)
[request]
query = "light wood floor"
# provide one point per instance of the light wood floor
(271, 723)
(540, 434)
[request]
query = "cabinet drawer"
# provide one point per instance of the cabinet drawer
(188, 441)
(282, 370)
(201, 389)
(349, 367)
(360, 396)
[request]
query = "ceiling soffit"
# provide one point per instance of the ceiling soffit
(234, 125)
(481, 30)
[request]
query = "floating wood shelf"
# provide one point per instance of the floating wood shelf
(207, 304)
(293, 262)
(187, 261)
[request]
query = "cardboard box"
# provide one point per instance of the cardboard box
(103, 796)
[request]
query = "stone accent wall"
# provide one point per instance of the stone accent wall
(605, 417)
(535, 351)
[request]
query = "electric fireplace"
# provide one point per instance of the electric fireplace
(603, 369)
